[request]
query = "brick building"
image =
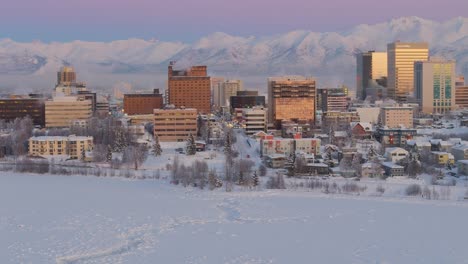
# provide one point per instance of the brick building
(142, 103)
(12, 108)
(190, 88)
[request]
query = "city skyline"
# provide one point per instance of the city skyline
(50, 20)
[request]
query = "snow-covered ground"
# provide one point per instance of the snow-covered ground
(54, 219)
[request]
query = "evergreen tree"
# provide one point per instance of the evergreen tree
(372, 153)
(83, 154)
(241, 178)
(191, 148)
(328, 159)
(356, 165)
(228, 144)
(291, 164)
(109, 153)
(255, 180)
(157, 151)
(331, 136)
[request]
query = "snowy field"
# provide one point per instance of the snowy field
(53, 219)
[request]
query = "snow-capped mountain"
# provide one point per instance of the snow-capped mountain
(328, 56)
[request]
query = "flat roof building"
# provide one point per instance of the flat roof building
(190, 88)
(142, 103)
(172, 125)
(62, 110)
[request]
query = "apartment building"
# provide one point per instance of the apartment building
(62, 110)
(72, 146)
(172, 125)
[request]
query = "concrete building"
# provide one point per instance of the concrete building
(397, 116)
(400, 58)
(339, 120)
(291, 98)
(72, 146)
(368, 114)
(434, 83)
(226, 89)
(172, 125)
(460, 152)
(215, 81)
(287, 146)
(332, 99)
(62, 110)
(371, 66)
(254, 120)
(392, 170)
(66, 76)
(190, 88)
(246, 99)
(19, 107)
(142, 103)
(461, 96)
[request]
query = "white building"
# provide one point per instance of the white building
(254, 120)
(395, 154)
(225, 90)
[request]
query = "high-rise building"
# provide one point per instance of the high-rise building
(215, 81)
(175, 124)
(66, 76)
(401, 57)
(19, 107)
(371, 71)
(227, 89)
(61, 111)
(460, 81)
(434, 82)
(332, 99)
(142, 103)
(397, 116)
(246, 99)
(291, 98)
(190, 88)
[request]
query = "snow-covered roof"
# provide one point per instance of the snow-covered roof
(395, 149)
(418, 143)
(275, 156)
(60, 138)
(463, 162)
(391, 165)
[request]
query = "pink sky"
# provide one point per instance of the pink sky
(187, 20)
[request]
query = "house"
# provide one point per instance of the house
(200, 145)
(462, 167)
(318, 169)
(274, 161)
(259, 135)
(395, 154)
(440, 145)
(391, 169)
(371, 170)
(419, 145)
(460, 152)
(361, 130)
(443, 158)
(287, 146)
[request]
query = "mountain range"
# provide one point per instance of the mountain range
(328, 56)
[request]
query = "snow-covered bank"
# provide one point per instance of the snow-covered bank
(47, 219)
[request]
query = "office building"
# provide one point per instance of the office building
(172, 125)
(397, 116)
(62, 110)
(66, 76)
(291, 98)
(460, 81)
(371, 72)
(142, 103)
(227, 89)
(254, 120)
(461, 96)
(332, 99)
(434, 82)
(339, 120)
(19, 107)
(215, 81)
(190, 88)
(73, 147)
(246, 99)
(401, 58)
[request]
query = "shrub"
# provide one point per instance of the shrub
(413, 190)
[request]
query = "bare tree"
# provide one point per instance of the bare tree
(135, 155)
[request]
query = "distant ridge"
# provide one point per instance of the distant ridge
(328, 56)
